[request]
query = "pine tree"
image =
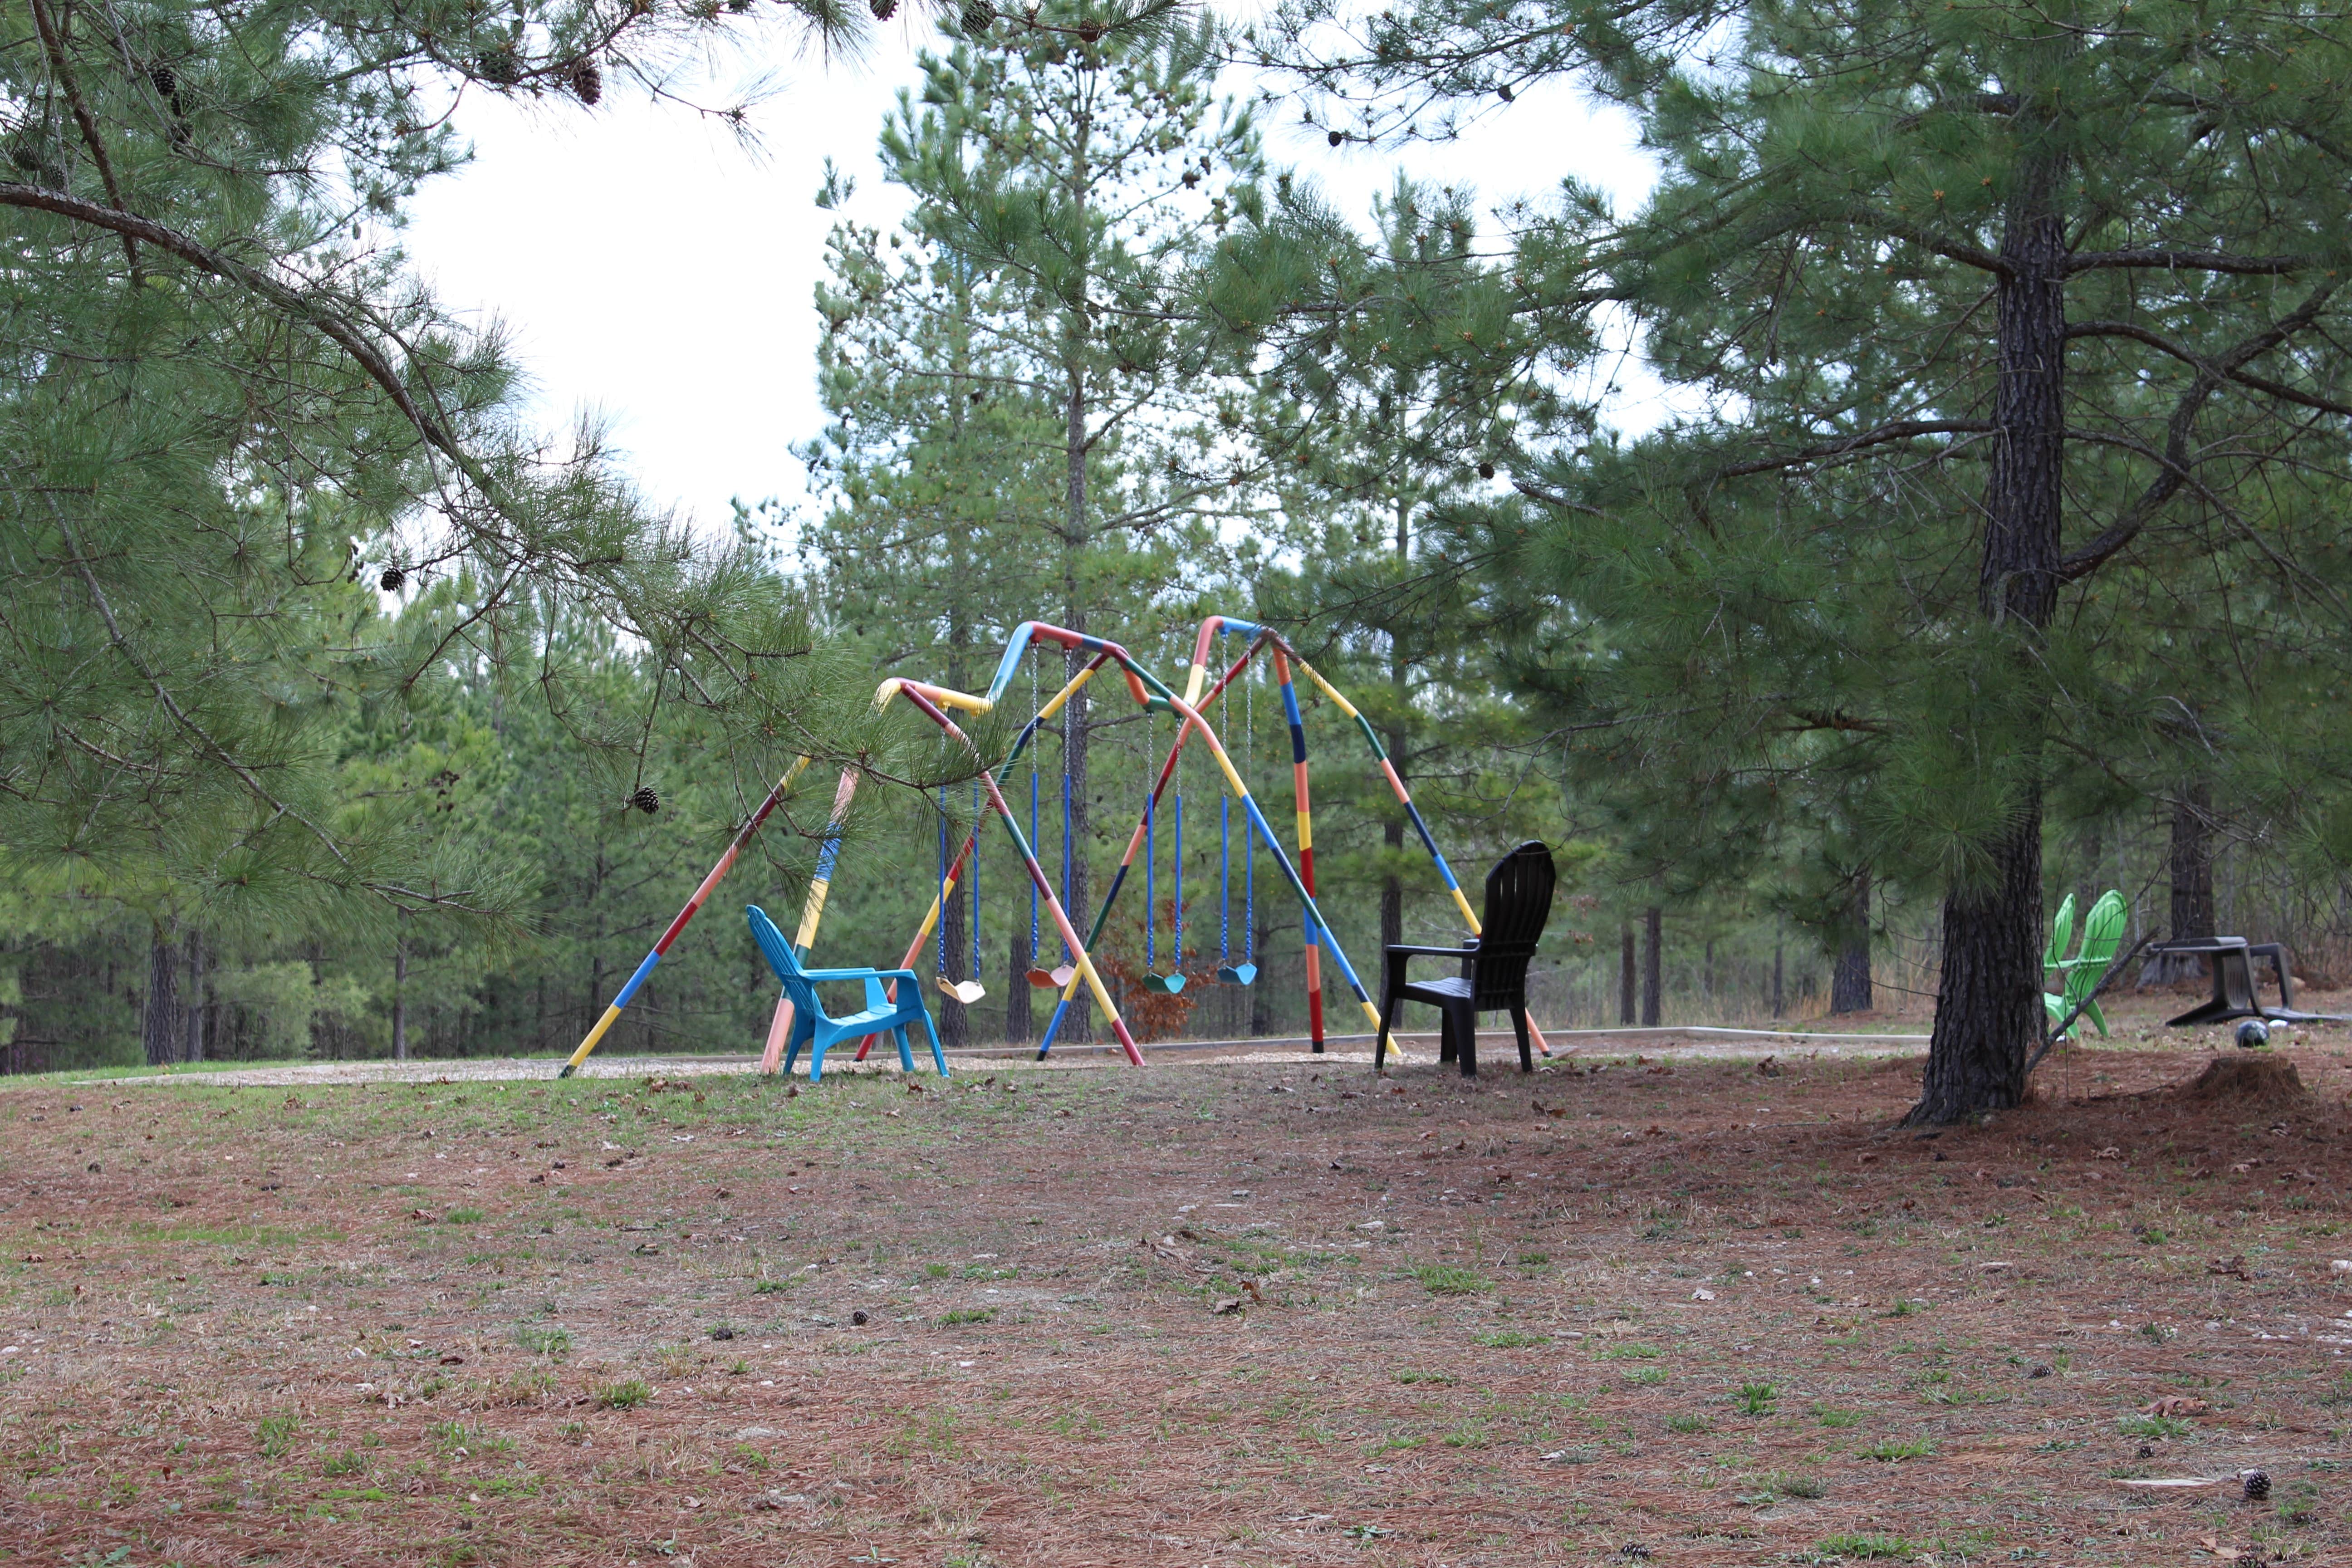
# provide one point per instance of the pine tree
(2016, 327)
(1382, 422)
(1072, 162)
(227, 408)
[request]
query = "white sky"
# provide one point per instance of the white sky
(653, 270)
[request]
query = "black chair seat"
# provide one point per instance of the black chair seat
(1493, 977)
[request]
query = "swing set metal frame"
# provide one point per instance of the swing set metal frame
(1153, 695)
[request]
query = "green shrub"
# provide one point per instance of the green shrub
(1892, 1451)
(625, 1395)
(275, 1435)
(1867, 1546)
(1445, 1280)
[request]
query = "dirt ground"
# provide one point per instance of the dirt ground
(1704, 1311)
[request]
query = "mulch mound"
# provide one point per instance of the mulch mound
(2259, 1082)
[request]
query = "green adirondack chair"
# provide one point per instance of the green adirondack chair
(2102, 932)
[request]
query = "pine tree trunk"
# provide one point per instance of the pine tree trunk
(2192, 864)
(1989, 1014)
(1850, 979)
(1392, 891)
(1654, 930)
(1991, 981)
(1078, 1024)
(1779, 1011)
(1400, 695)
(193, 1009)
(160, 1025)
(1625, 968)
(953, 942)
(954, 1019)
(400, 1001)
(1020, 955)
(1261, 1015)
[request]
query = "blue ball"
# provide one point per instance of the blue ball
(2253, 1033)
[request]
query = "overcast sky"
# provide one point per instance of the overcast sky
(655, 271)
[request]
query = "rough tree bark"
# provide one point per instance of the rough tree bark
(1626, 973)
(1988, 1013)
(400, 1000)
(1078, 1024)
(955, 932)
(160, 1025)
(1779, 1011)
(1850, 979)
(2191, 866)
(1654, 932)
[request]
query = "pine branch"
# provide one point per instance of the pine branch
(2164, 345)
(292, 302)
(2192, 261)
(1898, 430)
(1553, 499)
(2175, 458)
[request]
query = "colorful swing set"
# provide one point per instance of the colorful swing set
(1077, 970)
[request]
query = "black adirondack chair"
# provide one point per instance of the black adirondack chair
(1493, 977)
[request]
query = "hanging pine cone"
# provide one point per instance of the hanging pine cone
(2258, 1485)
(166, 80)
(1506, 91)
(392, 579)
(885, 9)
(1485, 471)
(586, 81)
(1090, 32)
(1334, 138)
(645, 800)
(499, 66)
(979, 16)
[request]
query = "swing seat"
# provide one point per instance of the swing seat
(812, 1027)
(964, 991)
(1163, 984)
(1054, 979)
(1237, 974)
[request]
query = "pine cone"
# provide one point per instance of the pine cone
(166, 80)
(1506, 91)
(979, 16)
(2258, 1485)
(1334, 138)
(645, 800)
(587, 81)
(1090, 32)
(499, 66)
(392, 579)
(1485, 471)
(883, 9)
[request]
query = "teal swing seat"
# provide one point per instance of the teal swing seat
(814, 1027)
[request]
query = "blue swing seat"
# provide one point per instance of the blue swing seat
(814, 1027)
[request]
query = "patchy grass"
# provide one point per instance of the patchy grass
(743, 1322)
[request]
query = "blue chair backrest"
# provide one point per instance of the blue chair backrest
(777, 950)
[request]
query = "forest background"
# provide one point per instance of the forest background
(412, 744)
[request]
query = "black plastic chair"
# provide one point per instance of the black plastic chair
(1493, 977)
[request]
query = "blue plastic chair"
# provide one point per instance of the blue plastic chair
(810, 1024)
